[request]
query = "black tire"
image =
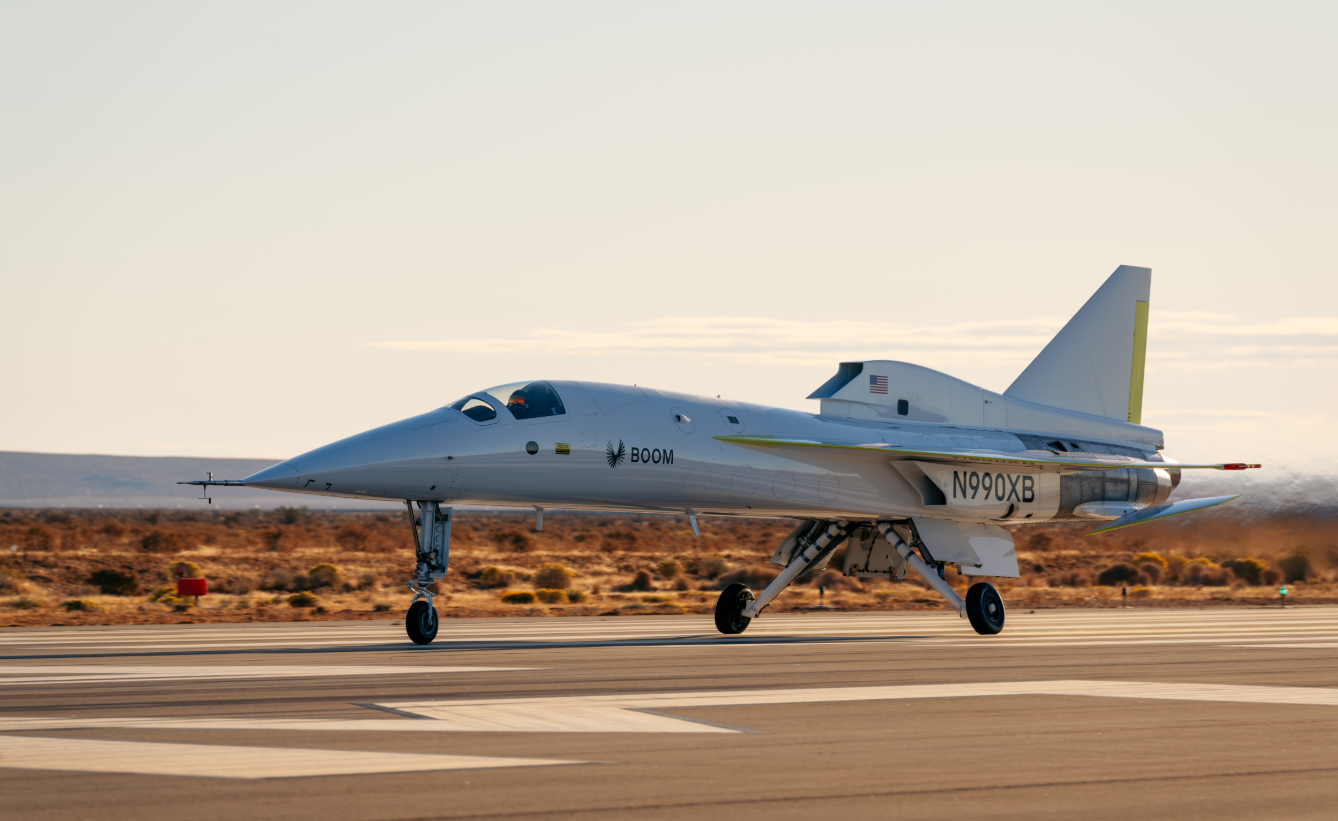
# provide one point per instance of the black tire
(421, 622)
(985, 609)
(729, 609)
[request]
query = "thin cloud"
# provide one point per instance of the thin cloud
(1190, 340)
(743, 333)
(1217, 325)
(1225, 413)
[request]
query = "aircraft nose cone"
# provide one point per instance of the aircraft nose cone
(276, 477)
(395, 461)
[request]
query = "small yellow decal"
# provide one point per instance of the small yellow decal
(563, 449)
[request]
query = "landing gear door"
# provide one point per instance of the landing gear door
(994, 546)
(977, 549)
(785, 552)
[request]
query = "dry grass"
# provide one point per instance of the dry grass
(291, 564)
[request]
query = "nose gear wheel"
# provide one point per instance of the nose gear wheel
(421, 622)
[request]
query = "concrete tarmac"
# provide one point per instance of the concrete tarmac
(1204, 713)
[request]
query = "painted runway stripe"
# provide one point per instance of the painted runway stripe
(1181, 627)
(1316, 625)
(691, 642)
(200, 760)
(644, 712)
(702, 641)
(599, 713)
(835, 623)
(1297, 646)
(657, 623)
(100, 674)
(904, 636)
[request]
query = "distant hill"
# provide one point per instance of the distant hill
(62, 480)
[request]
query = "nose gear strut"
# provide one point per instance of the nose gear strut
(432, 547)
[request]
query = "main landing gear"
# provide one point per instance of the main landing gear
(432, 548)
(736, 607)
(729, 618)
(985, 609)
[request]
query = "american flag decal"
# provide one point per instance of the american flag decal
(877, 384)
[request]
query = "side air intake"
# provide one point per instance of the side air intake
(845, 372)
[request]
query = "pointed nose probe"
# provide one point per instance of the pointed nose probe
(917, 564)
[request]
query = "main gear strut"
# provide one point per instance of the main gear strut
(983, 605)
(736, 607)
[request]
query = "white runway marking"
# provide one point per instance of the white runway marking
(99, 674)
(609, 714)
(640, 713)
(1058, 628)
(1301, 645)
(199, 760)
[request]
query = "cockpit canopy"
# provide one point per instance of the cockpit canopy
(524, 400)
(475, 409)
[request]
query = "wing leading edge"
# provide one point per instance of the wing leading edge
(1048, 463)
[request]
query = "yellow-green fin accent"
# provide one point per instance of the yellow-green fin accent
(1139, 362)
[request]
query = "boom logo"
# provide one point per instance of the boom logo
(615, 457)
(653, 456)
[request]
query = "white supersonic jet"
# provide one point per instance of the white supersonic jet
(913, 469)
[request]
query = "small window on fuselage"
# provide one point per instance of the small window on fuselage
(475, 409)
(903, 407)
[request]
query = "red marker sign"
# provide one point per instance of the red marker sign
(192, 587)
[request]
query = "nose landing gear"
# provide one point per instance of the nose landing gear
(421, 621)
(432, 548)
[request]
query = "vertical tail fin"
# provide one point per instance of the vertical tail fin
(1095, 363)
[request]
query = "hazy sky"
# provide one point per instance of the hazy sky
(249, 229)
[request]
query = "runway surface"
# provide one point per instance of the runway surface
(1204, 713)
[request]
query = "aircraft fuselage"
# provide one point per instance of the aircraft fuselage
(626, 448)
